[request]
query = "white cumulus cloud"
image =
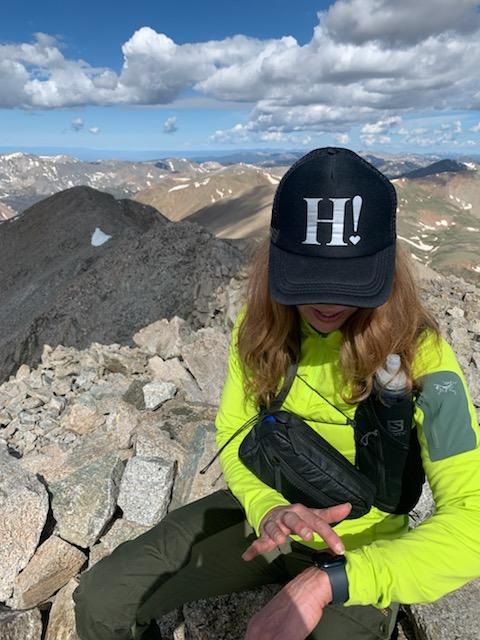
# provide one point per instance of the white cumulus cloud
(77, 124)
(381, 125)
(342, 138)
(401, 21)
(170, 125)
(368, 63)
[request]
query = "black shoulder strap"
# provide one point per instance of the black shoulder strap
(287, 384)
(275, 406)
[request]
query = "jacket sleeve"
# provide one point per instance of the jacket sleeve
(235, 409)
(443, 553)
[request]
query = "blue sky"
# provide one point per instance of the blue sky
(156, 77)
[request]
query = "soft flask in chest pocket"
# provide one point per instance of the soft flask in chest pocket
(387, 448)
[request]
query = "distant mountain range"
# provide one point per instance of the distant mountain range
(26, 179)
(438, 209)
(438, 199)
(439, 219)
(183, 195)
(442, 166)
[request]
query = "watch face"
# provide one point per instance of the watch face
(326, 560)
(337, 561)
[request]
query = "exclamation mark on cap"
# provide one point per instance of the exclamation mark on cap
(356, 207)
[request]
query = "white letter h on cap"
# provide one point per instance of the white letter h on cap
(337, 222)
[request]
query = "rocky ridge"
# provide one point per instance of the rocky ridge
(81, 267)
(96, 445)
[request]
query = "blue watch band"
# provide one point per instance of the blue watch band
(334, 567)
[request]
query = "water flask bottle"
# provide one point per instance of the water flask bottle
(387, 449)
(392, 399)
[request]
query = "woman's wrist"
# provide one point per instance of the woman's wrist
(320, 584)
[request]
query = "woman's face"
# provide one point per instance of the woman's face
(326, 317)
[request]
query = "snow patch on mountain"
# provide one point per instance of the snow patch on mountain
(419, 244)
(99, 237)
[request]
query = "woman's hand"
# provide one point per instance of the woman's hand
(295, 611)
(280, 522)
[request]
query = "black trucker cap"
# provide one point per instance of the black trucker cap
(333, 232)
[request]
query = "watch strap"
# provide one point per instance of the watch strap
(334, 567)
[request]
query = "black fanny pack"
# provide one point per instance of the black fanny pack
(289, 456)
(285, 453)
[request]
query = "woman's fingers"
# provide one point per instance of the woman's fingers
(336, 513)
(273, 534)
(276, 531)
(302, 521)
(261, 545)
(306, 521)
(326, 532)
(297, 524)
(319, 520)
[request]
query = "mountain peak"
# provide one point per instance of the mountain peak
(441, 166)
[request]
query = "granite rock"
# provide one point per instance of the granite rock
(164, 338)
(206, 358)
(61, 621)
(84, 501)
(453, 617)
(24, 509)
(156, 393)
(54, 563)
(121, 531)
(21, 625)
(145, 489)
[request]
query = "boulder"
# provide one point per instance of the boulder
(82, 419)
(61, 621)
(156, 393)
(21, 625)
(190, 485)
(52, 566)
(453, 616)
(225, 616)
(206, 357)
(145, 489)
(164, 338)
(24, 509)
(121, 424)
(134, 394)
(121, 531)
(172, 370)
(153, 442)
(84, 501)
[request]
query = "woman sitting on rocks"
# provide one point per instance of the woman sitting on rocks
(323, 446)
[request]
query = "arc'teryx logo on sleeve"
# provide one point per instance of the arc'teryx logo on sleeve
(447, 386)
(337, 222)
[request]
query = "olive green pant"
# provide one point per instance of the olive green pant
(193, 553)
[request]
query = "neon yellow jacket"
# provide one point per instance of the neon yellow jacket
(386, 562)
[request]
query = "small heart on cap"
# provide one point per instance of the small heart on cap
(354, 239)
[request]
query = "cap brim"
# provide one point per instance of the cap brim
(364, 281)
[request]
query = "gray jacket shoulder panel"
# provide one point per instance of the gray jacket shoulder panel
(447, 423)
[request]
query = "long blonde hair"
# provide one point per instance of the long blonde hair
(269, 334)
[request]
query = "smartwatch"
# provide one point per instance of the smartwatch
(334, 567)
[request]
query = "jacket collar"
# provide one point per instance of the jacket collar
(334, 338)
